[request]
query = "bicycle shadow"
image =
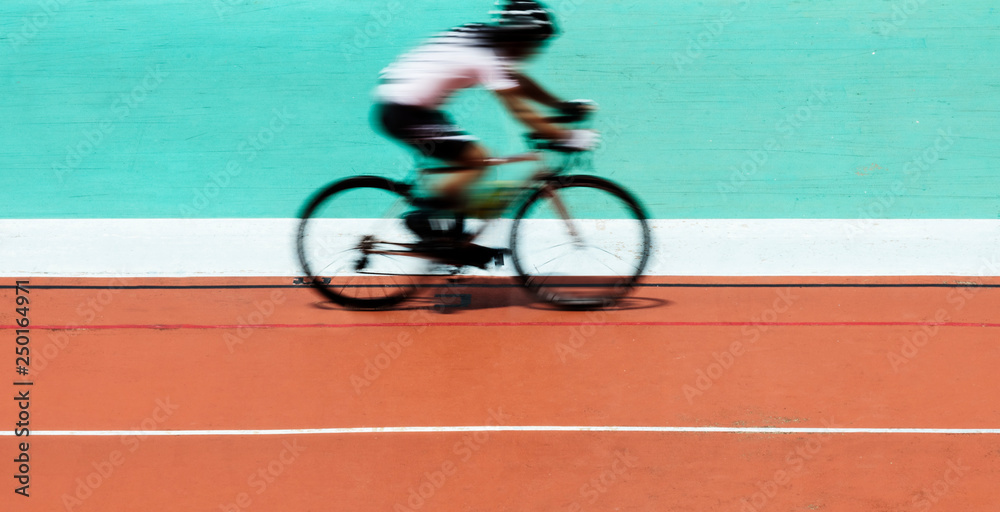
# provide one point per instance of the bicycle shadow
(477, 294)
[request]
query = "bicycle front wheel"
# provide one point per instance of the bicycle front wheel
(580, 241)
(352, 243)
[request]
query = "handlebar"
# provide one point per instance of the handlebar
(567, 119)
(536, 141)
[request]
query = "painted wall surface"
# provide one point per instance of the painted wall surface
(713, 109)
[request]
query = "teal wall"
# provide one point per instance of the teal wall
(712, 109)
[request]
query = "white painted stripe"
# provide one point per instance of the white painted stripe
(417, 430)
(714, 247)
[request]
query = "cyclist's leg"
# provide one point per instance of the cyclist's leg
(469, 165)
(449, 195)
(434, 134)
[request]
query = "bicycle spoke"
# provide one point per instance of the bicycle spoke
(580, 242)
(562, 210)
(362, 212)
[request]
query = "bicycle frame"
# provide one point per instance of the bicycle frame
(527, 187)
(606, 269)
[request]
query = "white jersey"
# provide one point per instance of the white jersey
(430, 74)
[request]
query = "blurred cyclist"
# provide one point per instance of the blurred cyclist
(412, 91)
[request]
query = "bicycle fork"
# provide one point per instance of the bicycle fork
(563, 212)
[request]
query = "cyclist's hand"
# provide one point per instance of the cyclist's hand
(581, 140)
(576, 110)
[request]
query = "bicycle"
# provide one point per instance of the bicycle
(372, 261)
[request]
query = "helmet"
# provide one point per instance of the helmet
(523, 22)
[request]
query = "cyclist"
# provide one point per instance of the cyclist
(413, 89)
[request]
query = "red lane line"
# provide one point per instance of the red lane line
(509, 324)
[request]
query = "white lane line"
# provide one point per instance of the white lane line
(409, 430)
(693, 247)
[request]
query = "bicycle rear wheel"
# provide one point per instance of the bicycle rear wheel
(352, 243)
(580, 241)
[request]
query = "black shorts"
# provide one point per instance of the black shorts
(431, 132)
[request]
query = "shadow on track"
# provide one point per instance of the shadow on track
(472, 294)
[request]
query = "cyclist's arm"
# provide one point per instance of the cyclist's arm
(514, 100)
(531, 90)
